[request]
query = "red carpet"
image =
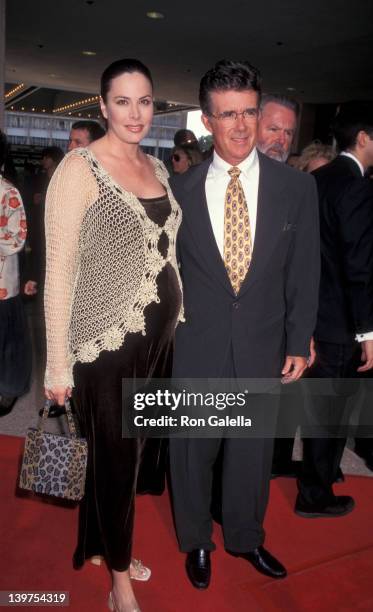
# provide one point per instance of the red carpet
(330, 561)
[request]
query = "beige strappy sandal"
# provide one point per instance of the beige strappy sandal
(138, 571)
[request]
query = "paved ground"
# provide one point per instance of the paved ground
(24, 413)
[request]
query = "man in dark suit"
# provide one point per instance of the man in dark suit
(343, 334)
(276, 131)
(249, 256)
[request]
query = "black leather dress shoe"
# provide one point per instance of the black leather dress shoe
(263, 562)
(339, 506)
(198, 567)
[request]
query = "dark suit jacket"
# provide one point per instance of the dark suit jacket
(346, 226)
(275, 311)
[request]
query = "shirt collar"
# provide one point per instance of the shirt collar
(348, 154)
(220, 166)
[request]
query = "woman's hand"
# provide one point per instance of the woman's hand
(58, 394)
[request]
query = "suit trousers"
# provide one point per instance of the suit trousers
(245, 473)
(330, 415)
(364, 434)
(245, 488)
(289, 418)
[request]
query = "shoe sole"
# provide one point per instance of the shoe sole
(322, 514)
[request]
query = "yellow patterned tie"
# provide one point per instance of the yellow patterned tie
(237, 232)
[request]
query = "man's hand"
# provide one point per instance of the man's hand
(366, 355)
(293, 369)
(312, 357)
(30, 288)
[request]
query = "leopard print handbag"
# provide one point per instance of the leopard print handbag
(54, 464)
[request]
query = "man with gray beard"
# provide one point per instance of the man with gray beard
(277, 126)
(276, 130)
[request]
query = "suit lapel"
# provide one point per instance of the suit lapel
(196, 216)
(270, 219)
(271, 216)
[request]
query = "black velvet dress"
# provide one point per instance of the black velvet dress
(107, 510)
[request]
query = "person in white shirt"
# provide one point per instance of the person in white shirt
(343, 333)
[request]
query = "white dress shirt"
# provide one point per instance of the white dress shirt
(358, 162)
(367, 335)
(216, 186)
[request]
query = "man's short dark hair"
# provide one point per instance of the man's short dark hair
(94, 129)
(352, 118)
(225, 76)
(285, 101)
(54, 153)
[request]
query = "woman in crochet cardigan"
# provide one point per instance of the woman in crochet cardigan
(112, 300)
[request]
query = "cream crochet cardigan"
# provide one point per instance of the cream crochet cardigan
(102, 262)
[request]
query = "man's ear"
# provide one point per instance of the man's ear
(362, 138)
(103, 108)
(206, 122)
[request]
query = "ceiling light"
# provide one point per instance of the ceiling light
(155, 15)
(291, 88)
(13, 91)
(52, 75)
(89, 53)
(78, 103)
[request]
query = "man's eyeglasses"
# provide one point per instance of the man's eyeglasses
(230, 117)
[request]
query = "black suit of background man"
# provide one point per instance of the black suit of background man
(345, 301)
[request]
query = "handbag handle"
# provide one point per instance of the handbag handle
(70, 419)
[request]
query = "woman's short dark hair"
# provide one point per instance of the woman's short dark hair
(3, 148)
(127, 65)
(227, 75)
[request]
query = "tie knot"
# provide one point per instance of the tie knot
(234, 172)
